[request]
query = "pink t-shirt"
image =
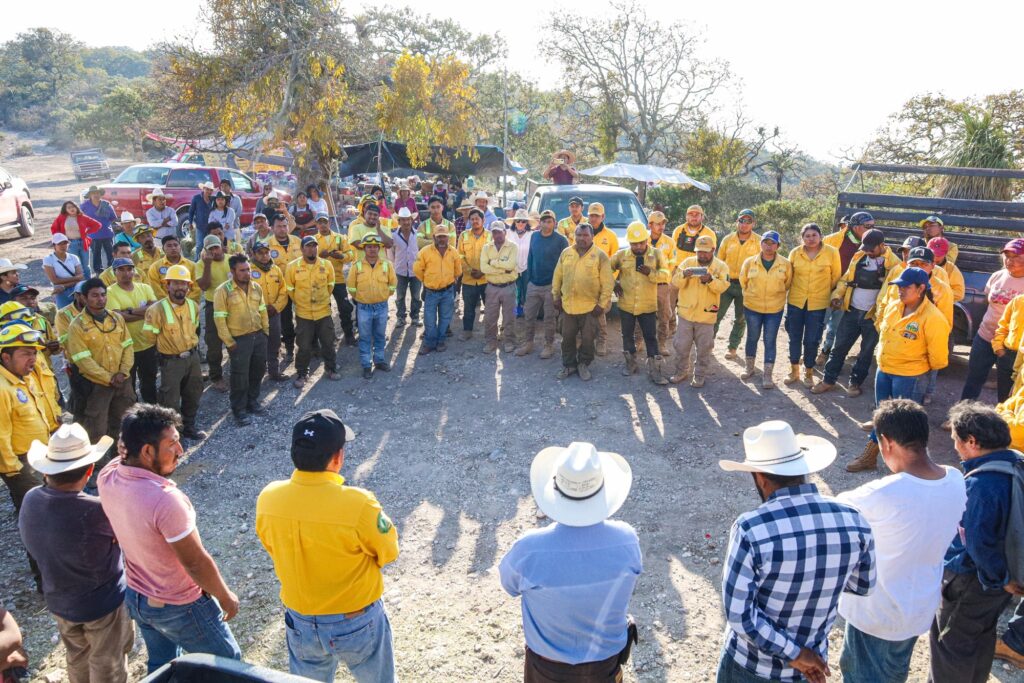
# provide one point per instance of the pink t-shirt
(148, 513)
(1000, 289)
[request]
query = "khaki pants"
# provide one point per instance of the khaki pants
(104, 409)
(538, 298)
(584, 326)
(181, 385)
(97, 651)
(602, 328)
(499, 300)
(667, 297)
(689, 334)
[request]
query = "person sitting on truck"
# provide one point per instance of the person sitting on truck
(562, 169)
(161, 217)
(933, 227)
(940, 246)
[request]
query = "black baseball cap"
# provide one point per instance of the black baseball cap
(871, 239)
(576, 200)
(320, 432)
(921, 254)
(913, 242)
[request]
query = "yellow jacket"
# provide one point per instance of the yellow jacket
(310, 286)
(436, 271)
(667, 248)
(334, 241)
(271, 281)
(639, 291)
(844, 292)
(283, 255)
(567, 227)
(156, 277)
(956, 280)
(470, 247)
(764, 291)
(500, 266)
(953, 253)
(682, 237)
(372, 284)
(911, 345)
(357, 230)
(173, 328)
(606, 241)
(63, 321)
(25, 415)
(582, 282)
(100, 350)
(1010, 329)
(941, 293)
(813, 281)
(143, 261)
(733, 252)
(698, 302)
(1012, 410)
(425, 233)
(237, 312)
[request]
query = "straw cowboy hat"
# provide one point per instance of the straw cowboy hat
(772, 448)
(68, 449)
(523, 215)
(579, 486)
(155, 192)
(467, 205)
(570, 158)
(6, 265)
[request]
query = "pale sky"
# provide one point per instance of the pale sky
(827, 74)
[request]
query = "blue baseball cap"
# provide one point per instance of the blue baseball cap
(912, 276)
(860, 218)
(308, 239)
(121, 263)
(773, 236)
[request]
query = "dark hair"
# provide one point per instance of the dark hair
(229, 183)
(91, 284)
(311, 187)
(68, 477)
(973, 418)
(279, 217)
(236, 259)
(902, 421)
(300, 193)
(782, 482)
(810, 226)
(310, 458)
(118, 245)
(144, 424)
(64, 207)
(221, 195)
(214, 225)
(170, 238)
(437, 199)
(587, 226)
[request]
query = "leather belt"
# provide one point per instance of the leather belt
(443, 289)
(503, 284)
(186, 354)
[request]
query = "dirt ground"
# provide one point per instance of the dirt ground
(445, 441)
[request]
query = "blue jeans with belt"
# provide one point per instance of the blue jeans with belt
(898, 386)
(317, 644)
(373, 324)
(758, 323)
(438, 309)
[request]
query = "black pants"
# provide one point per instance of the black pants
(648, 327)
(288, 328)
(18, 484)
(472, 296)
(248, 365)
(853, 325)
(963, 634)
(144, 372)
(980, 362)
(214, 346)
(306, 333)
(345, 308)
(181, 385)
(537, 669)
(411, 286)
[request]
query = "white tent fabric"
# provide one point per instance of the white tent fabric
(647, 174)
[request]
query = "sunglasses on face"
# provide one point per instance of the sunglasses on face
(745, 220)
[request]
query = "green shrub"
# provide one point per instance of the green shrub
(23, 150)
(788, 216)
(727, 198)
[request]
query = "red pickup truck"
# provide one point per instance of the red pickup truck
(181, 183)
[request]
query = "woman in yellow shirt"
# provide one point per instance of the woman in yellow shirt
(912, 342)
(816, 270)
(765, 280)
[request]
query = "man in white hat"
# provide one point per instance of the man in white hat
(576, 576)
(520, 235)
(161, 217)
(10, 276)
(404, 251)
(482, 202)
(66, 531)
(789, 561)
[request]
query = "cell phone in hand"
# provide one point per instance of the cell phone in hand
(639, 262)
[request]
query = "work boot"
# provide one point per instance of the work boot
(491, 347)
(509, 347)
(350, 339)
(299, 382)
(466, 335)
(682, 375)
(367, 373)
(221, 385)
(601, 349)
(868, 460)
(766, 380)
(548, 351)
(749, 371)
(731, 354)
(584, 370)
(794, 375)
(822, 358)
(654, 370)
(525, 350)
(630, 368)
(383, 366)
(854, 390)
(822, 387)
(191, 432)
(1008, 654)
(697, 382)
(809, 378)
(242, 420)
(565, 372)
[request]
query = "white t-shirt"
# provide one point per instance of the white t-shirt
(319, 206)
(864, 299)
(1000, 289)
(913, 521)
(65, 268)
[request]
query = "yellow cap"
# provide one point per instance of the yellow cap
(637, 232)
(596, 208)
(20, 334)
(179, 273)
(657, 217)
(12, 310)
(695, 207)
(704, 243)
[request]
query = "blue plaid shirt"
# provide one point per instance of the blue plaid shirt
(788, 562)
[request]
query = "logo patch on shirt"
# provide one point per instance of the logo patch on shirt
(274, 253)
(913, 327)
(383, 523)
(256, 275)
(23, 397)
(163, 270)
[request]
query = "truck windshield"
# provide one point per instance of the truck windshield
(147, 175)
(620, 208)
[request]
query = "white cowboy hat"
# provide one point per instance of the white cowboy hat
(127, 216)
(7, 266)
(772, 448)
(208, 185)
(404, 212)
(579, 486)
(481, 194)
(68, 449)
(156, 192)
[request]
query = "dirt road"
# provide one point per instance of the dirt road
(446, 441)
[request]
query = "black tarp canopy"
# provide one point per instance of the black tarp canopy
(363, 159)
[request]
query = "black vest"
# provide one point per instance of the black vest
(868, 279)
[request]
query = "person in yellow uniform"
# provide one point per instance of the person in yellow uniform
(212, 271)
(685, 235)
(604, 240)
(13, 312)
(285, 248)
(736, 247)
(65, 315)
(932, 227)
(437, 266)
(123, 250)
(269, 277)
(334, 247)
(100, 344)
(172, 325)
(240, 314)
(172, 257)
(1012, 410)
(847, 240)
(310, 281)
(25, 413)
(667, 292)
(700, 281)
(567, 226)
(816, 270)
(131, 299)
(499, 262)
(147, 254)
(372, 281)
(474, 285)
(765, 280)
(940, 246)
(581, 289)
(912, 342)
(639, 270)
(368, 225)
(425, 232)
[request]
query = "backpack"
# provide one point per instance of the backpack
(1013, 543)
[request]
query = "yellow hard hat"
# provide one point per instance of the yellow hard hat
(12, 310)
(20, 334)
(637, 232)
(178, 272)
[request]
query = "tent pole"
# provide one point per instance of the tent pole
(380, 153)
(504, 144)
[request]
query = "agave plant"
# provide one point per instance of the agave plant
(983, 145)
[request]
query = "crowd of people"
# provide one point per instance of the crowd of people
(128, 339)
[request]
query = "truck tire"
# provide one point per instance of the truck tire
(26, 226)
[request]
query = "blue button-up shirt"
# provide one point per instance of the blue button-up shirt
(979, 545)
(575, 584)
(199, 213)
(104, 213)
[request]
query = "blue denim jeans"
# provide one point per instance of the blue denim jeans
(758, 323)
(731, 672)
(853, 325)
(99, 247)
(898, 386)
(66, 297)
(77, 247)
(194, 628)
(438, 309)
(832, 318)
(373, 325)
(978, 365)
(867, 659)
(200, 236)
(472, 297)
(317, 644)
(804, 328)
